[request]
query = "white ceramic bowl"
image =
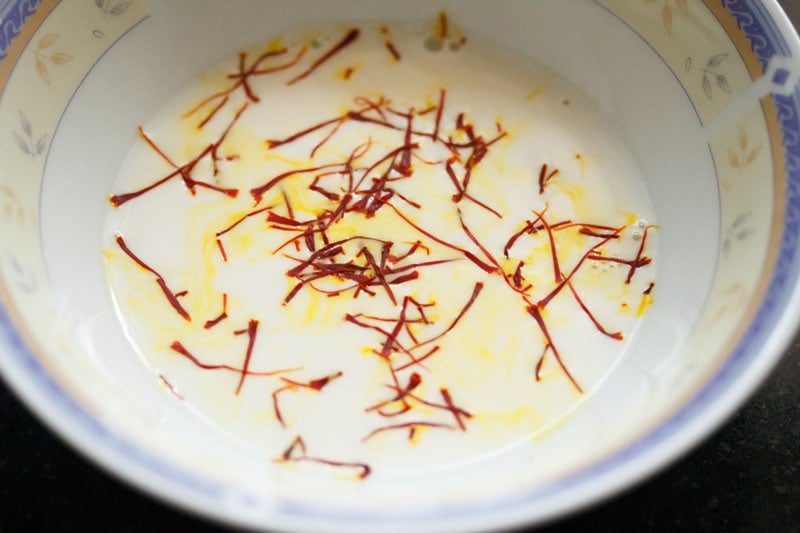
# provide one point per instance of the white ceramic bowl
(703, 95)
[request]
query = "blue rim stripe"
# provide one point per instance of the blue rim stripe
(12, 18)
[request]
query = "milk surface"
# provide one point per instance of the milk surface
(477, 311)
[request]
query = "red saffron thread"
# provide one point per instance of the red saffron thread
(172, 298)
(170, 387)
(537, 315)
(439, 111)
(291, 385)
(185, 170)
(351, 36)
(545, 177)
(242, 79)
(442, 28)
(252, 329)
(180, 349)
(640, 260)
(405, 425)
(291, 455)
(223, 314)
(616, 335)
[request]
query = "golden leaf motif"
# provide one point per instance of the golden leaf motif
(752, 155)
(47, 41)
(43, 55)
(745, 157)
(667, 14)
(735, 296)
(41, 68)
(12, 207)
(60, 58)
(733, 159)
(666, 18)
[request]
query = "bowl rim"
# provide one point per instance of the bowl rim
(763, 344)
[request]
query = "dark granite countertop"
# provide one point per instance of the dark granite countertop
(745, 477)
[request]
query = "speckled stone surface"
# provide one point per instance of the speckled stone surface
(746, 477)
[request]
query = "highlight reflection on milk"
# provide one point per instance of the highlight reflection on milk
(379, 249)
